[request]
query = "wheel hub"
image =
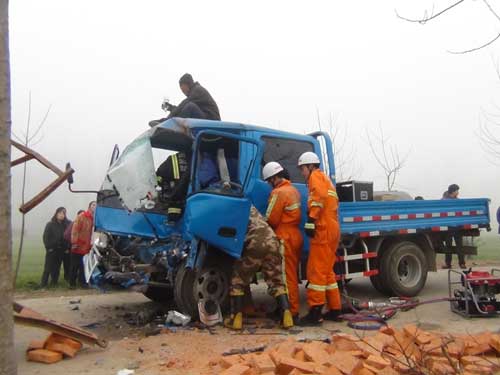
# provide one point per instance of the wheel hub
(211, 284)
(409, 270)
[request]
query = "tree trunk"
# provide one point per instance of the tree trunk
(7, 353)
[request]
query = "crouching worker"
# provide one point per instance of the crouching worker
(323, 230)
(261, 252)
(283, 215)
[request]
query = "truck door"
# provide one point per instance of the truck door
(217, 208)
(326, 153)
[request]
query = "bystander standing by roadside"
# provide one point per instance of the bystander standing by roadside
(81, 235)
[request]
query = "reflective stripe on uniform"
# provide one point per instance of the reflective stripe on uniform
(174, 210)
(332, 286)
(319, 288)
(283, 271)
(274, 198)
(333, 193)
(316, 204)
(175, 166)
(292, 207)
(309, 226)
(236, 293)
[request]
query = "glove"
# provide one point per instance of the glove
(310, 227)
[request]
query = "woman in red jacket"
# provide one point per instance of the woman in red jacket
(81, 236)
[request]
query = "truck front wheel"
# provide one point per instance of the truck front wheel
(404, 269)
(209, 283)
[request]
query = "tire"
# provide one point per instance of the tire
(404, 267)
(211, 282)
(159, 294)
(379, 285)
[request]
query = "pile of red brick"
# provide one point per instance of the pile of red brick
(389, 351)
(52, 349)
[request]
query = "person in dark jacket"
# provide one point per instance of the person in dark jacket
(452, 193)
(198, 103)
(55, 247)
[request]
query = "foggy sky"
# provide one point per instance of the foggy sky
(105, 67)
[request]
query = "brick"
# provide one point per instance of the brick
(300, 356)
(387, 330)
(469, 360)
(295, 372)
(411, 330)
(440, 368)
(386, 340)
(54, 337)
(330, 370)
(474, 369)
(36, 344)
(495, 343)
(456, 348)
(377, 362)
(64, 349)
(230, 360)
(315, 352)
(371, 345)
(263, 363)
(345, 362)
(44, 356)
(372, 369)
(480, 348)
(342, 341)
(287, 365)
(357, 353)
(388, 371)
(237, 369)
(363, 371)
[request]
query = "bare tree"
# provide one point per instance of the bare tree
(29, 139)
(430, 15)
(387, 156)
(346, 166)
(7, 355)
(489, 135)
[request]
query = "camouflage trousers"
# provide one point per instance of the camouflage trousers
(261, 252)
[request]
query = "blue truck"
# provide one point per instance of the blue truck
(189, 259)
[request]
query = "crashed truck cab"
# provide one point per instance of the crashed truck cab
(186, 256)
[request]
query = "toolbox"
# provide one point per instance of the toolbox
(355, 191)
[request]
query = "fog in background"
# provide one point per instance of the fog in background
(105, 67)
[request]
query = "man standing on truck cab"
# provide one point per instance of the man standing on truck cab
(452, 193)
(283, 215)
(322, 228)
(261, 252)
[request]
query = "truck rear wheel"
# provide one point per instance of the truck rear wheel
(209, 283)
(404, 269)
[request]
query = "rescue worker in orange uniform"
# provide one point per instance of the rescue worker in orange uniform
(323, 230)
(283, 215)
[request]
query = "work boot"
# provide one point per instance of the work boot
(333, 315)
(286, 314)
(313, 317)
(446, 266)
(235, 321)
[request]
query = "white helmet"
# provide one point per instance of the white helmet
(308, 158)
(271, 169)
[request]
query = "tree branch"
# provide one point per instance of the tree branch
(433, 16)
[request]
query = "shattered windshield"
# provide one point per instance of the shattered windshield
(132, 176)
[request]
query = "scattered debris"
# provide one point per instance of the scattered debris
(245, 350)
(177, 318)
(75, 302)
(389, 352)
(125, 371)
(76, 308)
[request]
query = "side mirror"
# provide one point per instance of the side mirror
(70, 177)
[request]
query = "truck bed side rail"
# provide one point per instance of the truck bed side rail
(371, 219)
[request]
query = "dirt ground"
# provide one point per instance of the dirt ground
(188, 351)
